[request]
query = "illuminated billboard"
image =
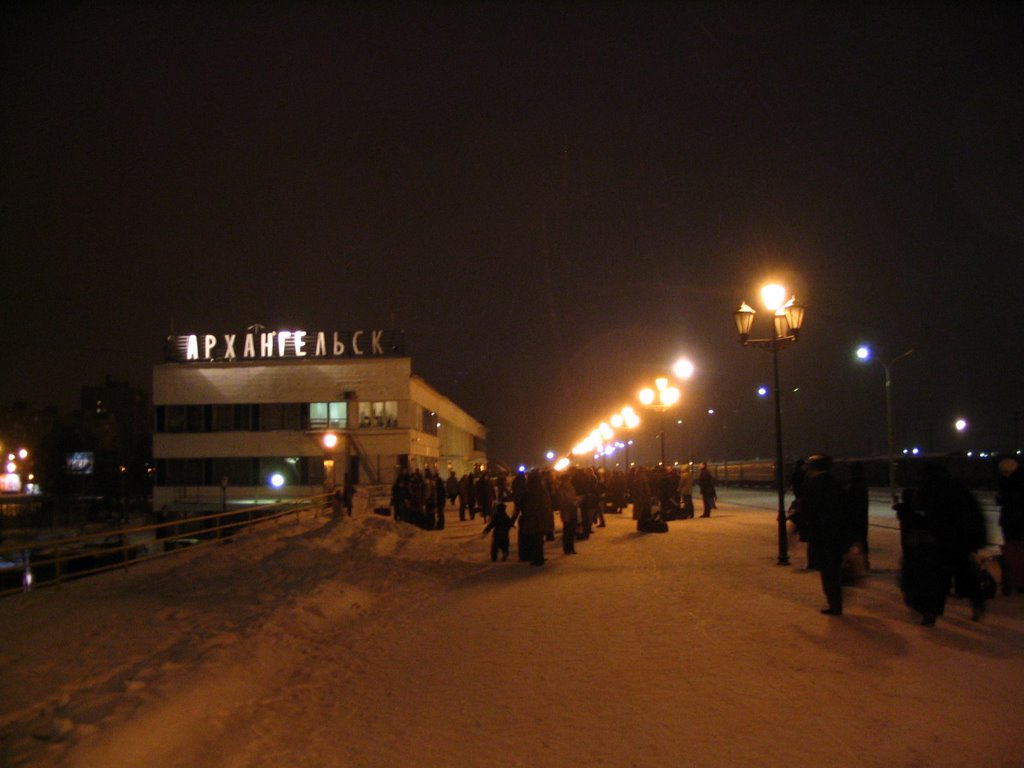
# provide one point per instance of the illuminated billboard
(80, 463)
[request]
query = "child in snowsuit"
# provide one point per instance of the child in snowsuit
(501, 524)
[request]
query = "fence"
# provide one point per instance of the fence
(49, 563)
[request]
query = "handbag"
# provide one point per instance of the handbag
(986, 583)
(854, 566)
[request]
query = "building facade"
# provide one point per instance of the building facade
(277, 414)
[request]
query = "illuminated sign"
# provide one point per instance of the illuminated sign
(80, 463)
(260, 344)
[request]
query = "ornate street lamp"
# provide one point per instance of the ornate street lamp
(659, 400)
(787, 320)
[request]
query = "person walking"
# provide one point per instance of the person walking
(500, 523)
(946, 532)
(823, 508)
(706, 483)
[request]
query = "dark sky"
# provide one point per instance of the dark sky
(553, 201)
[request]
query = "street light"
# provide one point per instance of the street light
(864, 354)
(659, 400)
(787, 319)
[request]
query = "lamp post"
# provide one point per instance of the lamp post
(864, 354)
(659, 400)
(788, 318)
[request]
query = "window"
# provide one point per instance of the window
(222, 418)
(174, 418)
(182, 472)
(238, 471)
(275, 416)
(379, 413)
(429, 422)
(328, 415)
(195, 416)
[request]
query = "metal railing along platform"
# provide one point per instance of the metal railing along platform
(35, 564)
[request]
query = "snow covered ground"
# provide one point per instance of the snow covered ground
(363, 642)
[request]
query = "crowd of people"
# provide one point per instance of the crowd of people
(942, 534)
(529, 502)
(942, 529)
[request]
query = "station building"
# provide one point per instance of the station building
(264, 415)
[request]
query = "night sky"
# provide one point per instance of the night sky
(553, 201)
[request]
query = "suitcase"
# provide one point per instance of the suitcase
(1013, 565)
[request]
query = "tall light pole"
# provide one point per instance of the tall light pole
(788, 318)
(660, 399)
(864, 354)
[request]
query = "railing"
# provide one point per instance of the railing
(48, 563)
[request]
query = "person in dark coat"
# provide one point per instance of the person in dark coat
(568, 511)
(500, 523)
(537, 519)
(451, 487)
(467, 497)
(485, 496)
(401, 496)
(706, 483)
(857, 507)
(439, 488)
(585, 482)
(947, 528)
(823, 509)
(518, 499)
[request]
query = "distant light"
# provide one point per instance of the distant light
(522, 467)
(330, 440)
(549, 455)
(863, 353)
(915, 451)
(23, 454)
(12, 467)
(762, 391)
(562, 464)
(960, 424)
(277, 480)
(683, 369)
(711, 411)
